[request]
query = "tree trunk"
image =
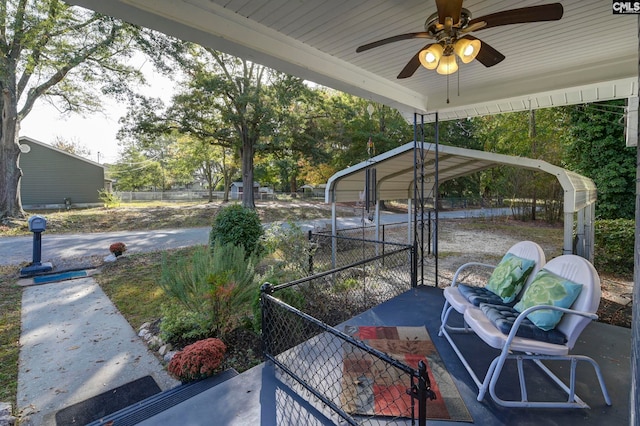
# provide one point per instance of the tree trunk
(246, 154)
(10, 202)
(210, 191)
(208, 173)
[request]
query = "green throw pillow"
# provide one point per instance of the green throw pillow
(509, 277)
(548, 288)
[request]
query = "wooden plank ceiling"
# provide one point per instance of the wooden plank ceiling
(589, 55)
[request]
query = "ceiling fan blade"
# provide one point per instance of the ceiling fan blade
(393, 39)
(545, 12)
(487, 56)
(475, 27)
(412, 65)
(449, 9)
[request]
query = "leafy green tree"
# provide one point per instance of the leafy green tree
(599, 152)
(345, 127)
(252, 101)
(134, 171)
(227, 102)
(462, 134)
(541, 134)
(209, 163)
(58, 53)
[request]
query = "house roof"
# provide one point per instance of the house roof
(28, 140)
(589, 55)
(240, 184)
(395, 174)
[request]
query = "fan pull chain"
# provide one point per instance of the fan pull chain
(447, 88)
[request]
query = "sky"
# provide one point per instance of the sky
(96, 131)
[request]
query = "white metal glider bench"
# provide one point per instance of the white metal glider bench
(544, 325)
(459, 297)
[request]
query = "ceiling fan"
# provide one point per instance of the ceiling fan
(450, 28)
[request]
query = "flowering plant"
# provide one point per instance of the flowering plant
(198, 360)
(117, 248)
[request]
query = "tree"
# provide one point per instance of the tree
(512, 134)
(71, 146)
(599, 152)
(135, 171)
(460, 133)
(66, 55)
(346, 127)
(210, 163)
(227, 102)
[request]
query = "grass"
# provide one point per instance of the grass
(132, 285)
(161, 215)
(10, 297)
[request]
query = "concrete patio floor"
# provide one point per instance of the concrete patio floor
(265, 396)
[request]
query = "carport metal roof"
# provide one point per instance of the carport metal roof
(395, 177)
(395, 181)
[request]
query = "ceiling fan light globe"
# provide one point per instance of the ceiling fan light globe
(467, 49)
(448, 65)
(430, 57)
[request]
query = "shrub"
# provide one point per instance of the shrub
(108, 198)
(198, 360)
(180, 326)
(237, 225)
(291, 247)
(219, 286)
(614, 246)
(289, 295)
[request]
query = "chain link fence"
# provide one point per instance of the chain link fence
(298, 320)
(329, 252)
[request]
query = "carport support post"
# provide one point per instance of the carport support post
(409, 223)
(567, 246)
(334, 232)
(377, 213)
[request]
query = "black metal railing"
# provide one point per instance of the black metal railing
(300, 336)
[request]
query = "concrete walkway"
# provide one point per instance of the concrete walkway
(76, 345)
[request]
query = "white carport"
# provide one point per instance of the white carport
(395, 181)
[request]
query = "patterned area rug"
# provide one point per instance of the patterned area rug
(373, 388)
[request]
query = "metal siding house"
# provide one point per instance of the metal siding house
(49, 175)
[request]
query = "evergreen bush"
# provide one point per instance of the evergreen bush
(237, 225)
